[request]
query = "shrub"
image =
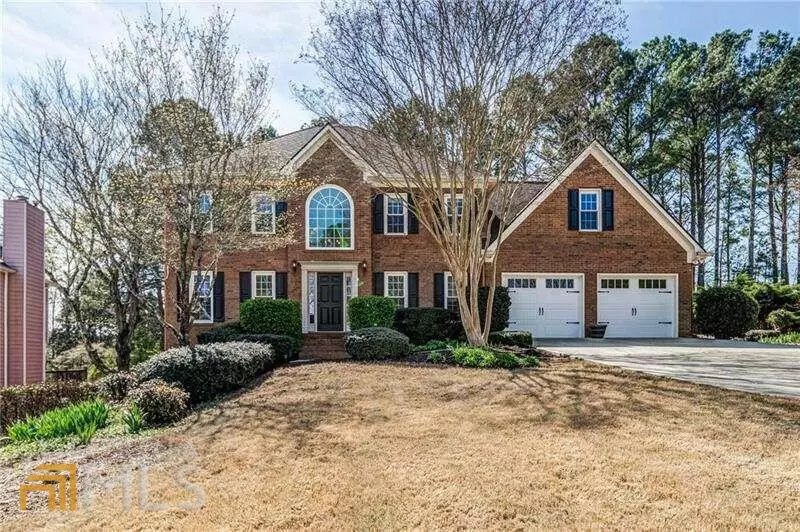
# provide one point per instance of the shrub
(376, 343)
(433, 345)
(206, 371)
(272, 316)
(371, 311)
(511, 338)
(501, 306)
(757, 335)
(115, 386)
(285, 347)
(784, 320)
(770, 297)
(21, 402)
(133, 418)
(423, 324)
(61, 422)
(160, 402)
(725, 312)
(787, 338)
(481, 357)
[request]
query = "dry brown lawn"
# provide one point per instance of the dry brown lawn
(360, 446)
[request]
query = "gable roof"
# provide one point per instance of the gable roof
(694, 251)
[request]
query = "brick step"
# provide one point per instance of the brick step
(323, 346)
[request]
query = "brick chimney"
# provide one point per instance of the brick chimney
(22, 294)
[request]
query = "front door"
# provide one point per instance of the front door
(330, 301)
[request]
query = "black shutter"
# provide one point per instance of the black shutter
(377, 215)
(413, 289)
(219, 297)
(377, 283)
(413, 222)
(572, 209)
(438, 290)
(608, 209)
(494, 229)
(280, 215)
(245, 288)
(281, 289)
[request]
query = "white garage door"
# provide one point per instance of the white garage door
(637, 306)
(549, 306)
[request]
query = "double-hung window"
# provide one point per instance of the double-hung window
(262, 220)
(459, 205)
(396, 213)
(263, 285)
(450, 294)
(396, 287)
(202, 289)
(589, 210)
(205, 204)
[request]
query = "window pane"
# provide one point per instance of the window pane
(588, 220)
(263, 214)
(329, 214)
(396, 288)
(263, 285)
(203, 297)
(395, 215)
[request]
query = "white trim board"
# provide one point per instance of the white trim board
(694, 253)
(326, 133)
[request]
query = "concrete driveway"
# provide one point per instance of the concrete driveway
(746, 366)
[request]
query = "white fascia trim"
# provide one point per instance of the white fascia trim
(694, 253)
(326, 133)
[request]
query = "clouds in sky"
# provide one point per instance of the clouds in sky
(275, 32)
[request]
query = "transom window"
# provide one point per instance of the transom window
(521, 282)
(263, 214)
(614, 283)
(396, 214)
(559, 283)
(264, 285)
(589, 210)
(203, 297)
(653, 284)
(396, 287)
(330, 219)
(450, 294)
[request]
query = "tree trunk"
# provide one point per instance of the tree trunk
(773, 242)
(717, 201)
(751, 236)
(784, 236)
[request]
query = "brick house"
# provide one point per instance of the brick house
(23, 300)
(590, 246)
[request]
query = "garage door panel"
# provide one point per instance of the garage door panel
(550, 307)
(642, 307)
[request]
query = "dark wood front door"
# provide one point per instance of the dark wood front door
(330, 302)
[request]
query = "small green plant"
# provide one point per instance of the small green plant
(86, 433)
(787, 338)
(511, 338)
(784, 320)
(133, 419)
(433, 345)
(481, 357)
(371, 311)
(66, 421)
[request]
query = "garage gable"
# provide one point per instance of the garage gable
(694, 252)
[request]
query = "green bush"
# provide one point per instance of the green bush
(757, 335)
(160, 402)
(370, 311)
(423, 324)
(228, 332)
(133, 418)
(725, 312)
(21, 402)
(206, 371)
(770, 297)
(511, 338)
(272, 316)
(115, 386)
(787, 338)
(784, 320)
(434, 345)
(501, 307)
(376, 343)
(481, 357)
(70, 420)
(285, 347)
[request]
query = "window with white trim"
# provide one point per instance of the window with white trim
(205, 203)
(448, 205)
(263, 285)
(329, 219)
(614, 283)
(450, 294)
(396, 286)
(262, 218)
(203, 291)
(396, 214)
(653, 284)
(589, 205)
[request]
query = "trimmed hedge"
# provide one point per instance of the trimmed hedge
(160, 402)
(501, 307)
(21, 402)
(511, 338)
(784, 320)
(272, 316)
(206, 371)
(377, 343)
(286, 348)
(370, 311)
(423, 324)
(725, 312)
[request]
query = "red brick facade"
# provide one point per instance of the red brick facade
(541, 243)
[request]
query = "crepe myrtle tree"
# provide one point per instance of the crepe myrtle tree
(455, 93)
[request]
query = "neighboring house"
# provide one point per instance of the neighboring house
(589, 246)
(23, 304)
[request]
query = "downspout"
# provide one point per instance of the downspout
(25, 297)
(5, 329)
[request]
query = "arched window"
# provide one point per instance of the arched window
(329, 219)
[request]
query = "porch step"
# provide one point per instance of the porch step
(323, 346)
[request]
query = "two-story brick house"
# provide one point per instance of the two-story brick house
(589, 246)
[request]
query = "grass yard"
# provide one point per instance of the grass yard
(363, 446)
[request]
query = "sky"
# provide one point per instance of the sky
(33, 30)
